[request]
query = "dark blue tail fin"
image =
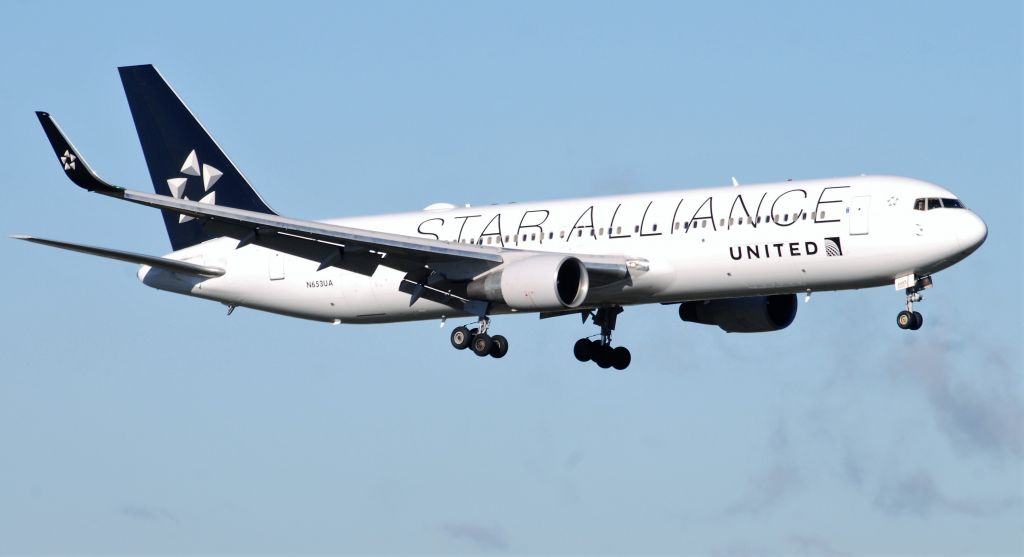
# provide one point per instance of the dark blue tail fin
(184, 161)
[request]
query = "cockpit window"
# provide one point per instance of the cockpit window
(929, 203)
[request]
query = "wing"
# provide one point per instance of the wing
(352, 249)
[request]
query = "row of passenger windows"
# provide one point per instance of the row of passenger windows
(929, 203)
(701, 223)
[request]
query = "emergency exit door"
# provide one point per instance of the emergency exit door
(275, 266)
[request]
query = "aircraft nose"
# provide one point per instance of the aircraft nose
(972, 232)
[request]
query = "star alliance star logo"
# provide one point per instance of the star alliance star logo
(68, 160)
(191, 167)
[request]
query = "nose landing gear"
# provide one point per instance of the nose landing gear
(479, 341)
(909, 319)
(600, 350)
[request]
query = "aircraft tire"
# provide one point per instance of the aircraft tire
(918, 321)
(904, 319)
(582, 350)
(481, 344)
(499, 346)
(461, 338)
(620, 358)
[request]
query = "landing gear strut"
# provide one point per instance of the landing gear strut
(908, 318)
(600, 350)
(477, 339)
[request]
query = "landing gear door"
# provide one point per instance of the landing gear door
(275, 266)
(859, 212)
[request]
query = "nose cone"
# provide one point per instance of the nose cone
(971, 232)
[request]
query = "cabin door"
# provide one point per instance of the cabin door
(859, 211)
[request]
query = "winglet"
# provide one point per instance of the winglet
(71, 160)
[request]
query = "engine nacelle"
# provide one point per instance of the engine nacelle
(540, 282)
(755, 314)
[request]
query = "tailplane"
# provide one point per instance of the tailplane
(184, 161)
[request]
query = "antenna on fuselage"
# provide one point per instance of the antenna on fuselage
(735, 182)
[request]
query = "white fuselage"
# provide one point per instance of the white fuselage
(796, 236)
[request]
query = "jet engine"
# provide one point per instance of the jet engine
(539, 282)
(754, 314)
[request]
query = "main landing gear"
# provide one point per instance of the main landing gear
(908, 318)
(477, 339)
(600, 350)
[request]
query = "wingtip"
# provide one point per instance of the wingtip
(20, 237)
(42, 114)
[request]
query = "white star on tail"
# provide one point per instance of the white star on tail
(68, 160)
(191, 167)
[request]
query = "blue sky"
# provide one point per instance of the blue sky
(135, 421)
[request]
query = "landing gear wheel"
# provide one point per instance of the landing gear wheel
(603, 357)
(499, 346)
(918, 321)
(620, 358)
(582, 350)
(905, 320)
(461, 338)
(482, 344)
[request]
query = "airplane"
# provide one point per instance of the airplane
(735, 257)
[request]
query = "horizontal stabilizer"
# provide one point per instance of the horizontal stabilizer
(151, 260)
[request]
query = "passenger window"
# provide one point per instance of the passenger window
(654, 228)
(618, 230)
(740, 220)
(703, 224)
(677, 226)
(636, 229)
(561, 234)
(579, 233)
(533, 236)
(600, 231)
(551, 235)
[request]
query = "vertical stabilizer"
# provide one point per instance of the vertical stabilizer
(184, 161)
